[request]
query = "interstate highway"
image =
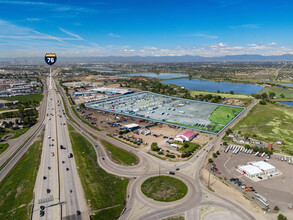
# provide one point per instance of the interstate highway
(57, 171)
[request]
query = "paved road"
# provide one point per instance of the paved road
(57, 175)
(149, 165)
(16, 151)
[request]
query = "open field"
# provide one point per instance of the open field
(32, 97)
(223, 114)
(119, 155)
(269, 122)
(164, 188)
(16, 190)
(224, 95)
(287, 92)
(170, 110)
(102, 190)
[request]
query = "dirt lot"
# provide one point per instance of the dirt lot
(278, 190)
(106, 121)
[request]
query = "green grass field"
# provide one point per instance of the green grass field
(32, 97)
(16, 190)
(164, 188)
(119, 155)
(269, 122)
(102, 190)
(223, 114)
(3, 147)
(223, 95)
(192, 147)
(287, 92)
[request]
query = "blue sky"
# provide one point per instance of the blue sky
(146, 27)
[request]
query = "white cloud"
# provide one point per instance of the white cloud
(272, 43)
(204, 36)
(114, 35)
(245, 26)
(76, 37)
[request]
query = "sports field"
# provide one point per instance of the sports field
(203, 116)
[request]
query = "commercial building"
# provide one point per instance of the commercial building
(185, 136)
(255, 169)
(131, 126)
(112, 91)
(86, 93)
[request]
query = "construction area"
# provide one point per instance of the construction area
(202, 116)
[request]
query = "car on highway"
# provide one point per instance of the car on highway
(78, 212)
(42, 213)
(103, 158)
(171, 172)
(42, 207)
(48, 190)
(70, 190)
(177, 168)
(63, 161)
(67, 168)
(49, 168)
(44, 177)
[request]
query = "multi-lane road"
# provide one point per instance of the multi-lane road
(150, 166)
(58, 187)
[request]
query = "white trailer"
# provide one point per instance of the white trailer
(256, 153)
(262, 155)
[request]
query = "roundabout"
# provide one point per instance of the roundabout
(164, 188)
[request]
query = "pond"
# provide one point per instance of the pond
(287, 84)
(213, 86)
(157, 75)
(287, 103)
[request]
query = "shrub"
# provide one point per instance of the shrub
(160, 153)
(214, 155)
(211, 160)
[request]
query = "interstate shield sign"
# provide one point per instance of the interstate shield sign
(50, 58)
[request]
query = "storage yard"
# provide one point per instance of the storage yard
(264, 179)
(203, 116)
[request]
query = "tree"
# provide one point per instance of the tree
(276, 208)
(211, 160)
(218, 153)
(154, 146)
(247, 146)
(229, 131)
(282, 217)
(214, 155)
(282, 96)
(231, 92)
(225, 143)
(263, 102)
(272, 95)
(186, 145)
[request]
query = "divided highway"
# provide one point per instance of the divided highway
(58, 187)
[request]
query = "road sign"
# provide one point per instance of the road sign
(50, 58)
(48, 199)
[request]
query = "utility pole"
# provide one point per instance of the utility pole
(159, 169)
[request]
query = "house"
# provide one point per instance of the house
(278, 141)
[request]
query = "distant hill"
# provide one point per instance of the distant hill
(152, 59)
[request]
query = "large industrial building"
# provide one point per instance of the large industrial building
(257, 169)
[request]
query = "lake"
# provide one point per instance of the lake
(213, 86)
(155, 75)
(287, 103)
(287, 84)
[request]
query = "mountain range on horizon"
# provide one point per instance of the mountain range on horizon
(153, 59)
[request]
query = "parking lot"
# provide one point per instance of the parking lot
(278, 190)
(166, 109)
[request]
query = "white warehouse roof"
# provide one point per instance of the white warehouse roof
(250, 170)
(129, 126)
(263, 166)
